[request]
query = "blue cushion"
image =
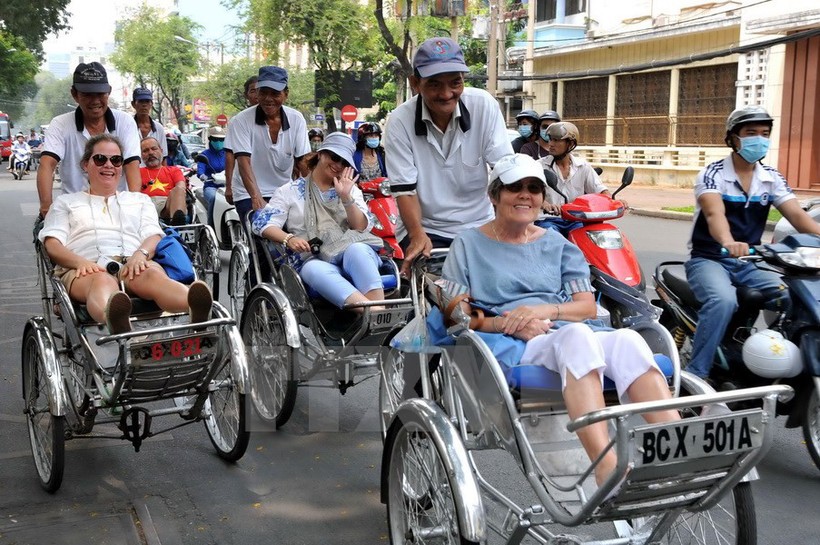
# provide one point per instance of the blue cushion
(540, 378)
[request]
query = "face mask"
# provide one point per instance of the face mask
(753, 148)
(544, 136)
(525, 130)
(218, 145)
(373, 143)
(314, 146)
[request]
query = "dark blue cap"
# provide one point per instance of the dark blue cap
(141, 93)
(273, 77)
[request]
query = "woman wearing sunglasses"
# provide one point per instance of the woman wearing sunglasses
(100, 237)
(539, 305)
(323, 220)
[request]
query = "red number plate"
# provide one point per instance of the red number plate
(176, 349)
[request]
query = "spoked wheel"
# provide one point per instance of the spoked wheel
(421, 500)
(271, 360)
(226, 422)
(811, 426)
(46, 431)
(207, 262)
(238, 279)
(235, 230)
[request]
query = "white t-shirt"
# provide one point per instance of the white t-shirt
(67, 136)
(90, 227)
(272, 164)
(447, 171)
(582, 179)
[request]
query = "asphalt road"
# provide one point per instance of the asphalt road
(315, 482)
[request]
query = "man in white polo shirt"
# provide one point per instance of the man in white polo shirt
(265, 140)
(68, 133)
(438, 146)
(143, 103)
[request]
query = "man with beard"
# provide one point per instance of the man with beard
(165, 185)
(68, 133)
(265, 141)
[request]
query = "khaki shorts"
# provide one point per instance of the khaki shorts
(159, 203)
(68, 276)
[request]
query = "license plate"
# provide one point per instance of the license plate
(187, 235)
(690, 439)
(188, 348)
(387, 318)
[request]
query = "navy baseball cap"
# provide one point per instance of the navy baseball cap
(91, 78)
(273, 77)
(439, 56)
(141, 93)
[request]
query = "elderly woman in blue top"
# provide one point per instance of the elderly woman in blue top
(327, 204)
(545, 303)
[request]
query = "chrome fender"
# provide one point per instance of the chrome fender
(288, 316)
(57, 395)
(469, 506)
(239, 358)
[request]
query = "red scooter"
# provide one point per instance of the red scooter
(615, 272)
(382, 204)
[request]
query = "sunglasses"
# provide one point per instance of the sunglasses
(336, 158)
(536, 188)
(100, 160)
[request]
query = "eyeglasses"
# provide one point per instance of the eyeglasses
(536, 188)
(337, 158)
(100, 160)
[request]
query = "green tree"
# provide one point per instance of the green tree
(32, 22)
(338, 34)
(149, 49)
(225, 86)
(17, 69)
(53, 98)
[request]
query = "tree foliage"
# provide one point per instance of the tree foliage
(225, 86)
(32, 22)
(53, 98)
(338, 34)
(18, 67)
(150, 51)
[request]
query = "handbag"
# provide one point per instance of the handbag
(172, 254)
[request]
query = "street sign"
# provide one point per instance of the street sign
(222, 120)
(319, 117)
(349, 113)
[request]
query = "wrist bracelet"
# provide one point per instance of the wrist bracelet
(348, 203)
(495, 324)
(144, 252)
(557, 311)
(287, 239)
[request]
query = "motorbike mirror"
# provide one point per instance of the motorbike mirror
(552, 182)
(598, 170)
(626, 179)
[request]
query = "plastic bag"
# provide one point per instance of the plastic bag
(413, 337)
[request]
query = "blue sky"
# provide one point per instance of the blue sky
(212, 15)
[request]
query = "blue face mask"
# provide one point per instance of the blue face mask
(525, 130)
(373, 143)
(544, 136)
(753, 148)
(218, 144)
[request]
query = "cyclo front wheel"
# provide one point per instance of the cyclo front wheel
(226, 422)
(270, 359)
(46, 432)
(207, 262)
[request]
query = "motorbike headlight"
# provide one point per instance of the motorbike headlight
(377, 224)
(802, 257)
(608, 240)
(384, 188)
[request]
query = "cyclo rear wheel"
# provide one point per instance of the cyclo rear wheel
(207, 262)
(46, 431)
(226, 422)
(271, 360)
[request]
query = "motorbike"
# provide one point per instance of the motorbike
(227, 226)
(20, 159)
(787, 351)
(382, 204)
(783, 228)
(614, 269)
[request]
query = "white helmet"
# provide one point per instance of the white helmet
(767, 354)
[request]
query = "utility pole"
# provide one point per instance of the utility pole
(492, 50)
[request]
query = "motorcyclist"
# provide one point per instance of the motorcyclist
(539, 147)
(21, 151)
(527, 121)
(316, 137)
(733, 200)
(175, 155)
(369, 156)
(300, 167)
(216, 163)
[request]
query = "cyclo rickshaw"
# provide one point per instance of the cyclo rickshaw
(678, 482)
(294, 337)
(76, 376)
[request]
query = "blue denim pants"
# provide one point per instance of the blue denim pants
(714, 282)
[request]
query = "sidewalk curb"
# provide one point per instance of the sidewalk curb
(680, 216)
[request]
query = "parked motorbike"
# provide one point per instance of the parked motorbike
(783, 228)
(20, 159)
(786, 352)
(614, 269)
(226, 220)
(382, 204)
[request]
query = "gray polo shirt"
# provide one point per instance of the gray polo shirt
(272, 164)
(67, 136)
